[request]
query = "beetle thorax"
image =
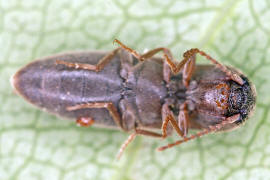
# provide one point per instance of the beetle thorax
(218, 96)
(210, 97)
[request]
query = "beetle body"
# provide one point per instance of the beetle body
(143, 93)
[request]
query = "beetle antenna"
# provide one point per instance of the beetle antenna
(234, 76)
(210, 129)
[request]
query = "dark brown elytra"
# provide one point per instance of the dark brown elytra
(139, 93)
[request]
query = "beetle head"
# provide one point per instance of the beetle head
(242, 99)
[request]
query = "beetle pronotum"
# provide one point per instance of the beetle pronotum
(139, 93)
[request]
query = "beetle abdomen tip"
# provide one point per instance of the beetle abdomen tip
(13, 82)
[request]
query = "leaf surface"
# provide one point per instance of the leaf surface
(36, 145)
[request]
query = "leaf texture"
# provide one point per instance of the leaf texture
(36, 145)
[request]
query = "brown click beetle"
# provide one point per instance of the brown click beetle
(139, 93)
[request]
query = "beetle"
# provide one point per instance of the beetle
(139, 93)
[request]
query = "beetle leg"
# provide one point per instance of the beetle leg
(132, 136)
(164, 127)
(166, 52)
(188, 70)
(166, 72)
(85, 121)
(147, 133)
(98, 67)
(167, 116)
(233, 76)
(151, 53)
(189, 57)
(228, 120)
(108, 105)
(183, 122)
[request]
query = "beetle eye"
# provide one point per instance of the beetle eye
(236, 99)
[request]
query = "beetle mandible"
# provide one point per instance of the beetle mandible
(139, 93)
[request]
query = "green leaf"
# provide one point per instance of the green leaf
(36, 145)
